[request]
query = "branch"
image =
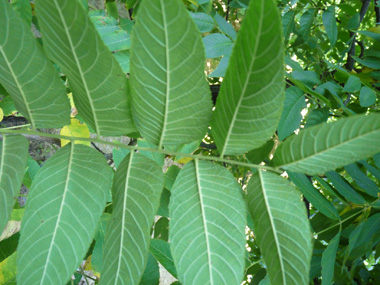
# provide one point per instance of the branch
(351, 52)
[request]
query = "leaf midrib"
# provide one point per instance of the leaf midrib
(273, 226)
(199, 187)
(79, 66)
(65, 191)
(246, 81)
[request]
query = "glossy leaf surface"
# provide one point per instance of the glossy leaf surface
(327, 146)
(64, 206)
(28, 75)
(97, 80)
(167, 47)
(13, 159)
(207, 225)
(136, 194)
(250, 100)
(281, 228)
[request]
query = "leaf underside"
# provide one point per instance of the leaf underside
(207, 225)
(249, 104)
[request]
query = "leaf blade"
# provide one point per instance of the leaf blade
(246, 115)
(215, 254)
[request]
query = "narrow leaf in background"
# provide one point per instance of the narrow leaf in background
(313, 195)
(208, 219)
(65, 203)
(97, 80)
(329, 22)
(137, 188)
(166, 48)
(250, 100)
(328, 260)
(327, 146)
(281, 228)
(13, 159)
(161, 251)
(291, 114)
(27, 74)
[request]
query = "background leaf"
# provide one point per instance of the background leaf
(217, 45)
(325, 147)
(280, 224)
(204, 22)
(161, 251)
(328, 260)
(250, 100)
(13, 159)
(367, 97)
(101, 98)
(136, 195)
(329, 21)
(63, 210)
(28, 75)
(167, 48)
(207, 224)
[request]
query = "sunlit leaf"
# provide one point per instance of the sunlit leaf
(167, 48)
(207, 224)
(330, 145)
(217, 45)
(136, 195)
(250, 100)
(204, 22)
(281, 228)
(99, 85)
(62, 213)
(27, 74)
(75, 129)
(13, 157)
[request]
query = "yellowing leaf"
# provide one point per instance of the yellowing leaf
(75, 129)
(1, 114)
(8, 269)
(375, 29)
(184, 160)
(87, 264)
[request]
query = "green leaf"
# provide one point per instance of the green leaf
(281, 228)
(220, 70)
(161, 229)
(317, 116)
(97, 253)
(306, 22)
(330, 145)
(376, 159)
(217, 45)
(170, 176)
(159, 158)
(161, 251)
(24, 9)
(288, 23)
(329, 22)
(28, 76)
(353, 22)
(249, 104)
(167, 48)
(344, 188)
(208, 219)
(151, 275)
(373, 170)
(13, 159)
(291, 114)
(123, 58)
(367, 97)
(204, 22)
(314, 196)
(224, 26)
(8, 270)
(370, 61)
(353, 84)
(328, 260)
(101, 98)
(163, 210)
(63, 210)
(137, 188)
(114, 37)
(8, 246)
(257, 155)
(375, 36)
(119, 154)
(362, 180)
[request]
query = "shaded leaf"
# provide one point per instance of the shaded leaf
(28, 75)
(73, 43)
(122, 58)
(161, 252)
(250, 100)
(306, 22)
(280, 223)
(329, 21)
(151, 275)
(288, 23)
(327, 146)
(136, 194)
(317, 116)
(362, 180)
(367, 96)
(13, 160)
(291, 114)
(258, 155)
(314, 196)
(204, 197)
(97, 252)
(353, 84)
(8, 246)
(167, 47)
(69, 192)
(328, 260)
